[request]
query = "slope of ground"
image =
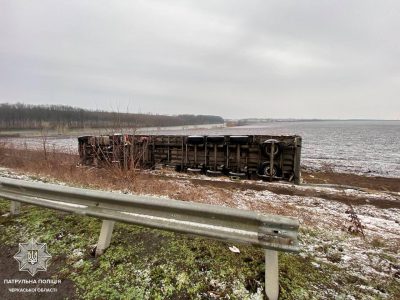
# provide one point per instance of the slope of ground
(338, 258)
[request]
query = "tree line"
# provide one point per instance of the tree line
(26, 116)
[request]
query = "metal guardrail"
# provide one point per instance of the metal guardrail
(270, 232)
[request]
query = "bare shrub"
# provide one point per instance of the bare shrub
(355, 227)
(326, 167)
(377, 242)
(44, 132)
(2, 150)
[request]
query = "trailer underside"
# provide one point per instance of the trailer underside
(245, 156)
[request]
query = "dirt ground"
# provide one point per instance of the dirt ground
(366, 182)
(64, 167)
(309, 187)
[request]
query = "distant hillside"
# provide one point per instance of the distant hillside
(23, 116)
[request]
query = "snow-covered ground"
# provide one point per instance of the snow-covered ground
(358, 147)
(324, 234)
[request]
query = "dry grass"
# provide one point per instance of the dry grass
(3, 146)
(66, 168)
(327, 167)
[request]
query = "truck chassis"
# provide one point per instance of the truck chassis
(238, 156)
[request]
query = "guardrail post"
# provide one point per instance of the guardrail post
(15, 208)
(105, 236)
(271, 274)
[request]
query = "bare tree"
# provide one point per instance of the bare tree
(44, 133)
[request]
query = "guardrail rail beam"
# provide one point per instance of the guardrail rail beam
(270, 232)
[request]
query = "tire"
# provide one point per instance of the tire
(195, 140)
(194, 171)
(215, 139)
(213, 173)
(238, 175)
(239, 139)
(264, 168)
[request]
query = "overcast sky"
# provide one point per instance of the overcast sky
(301, 59)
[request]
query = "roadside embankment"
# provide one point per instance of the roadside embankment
(350, 235)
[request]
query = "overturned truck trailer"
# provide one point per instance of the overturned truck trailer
(239, 156)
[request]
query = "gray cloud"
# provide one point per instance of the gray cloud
(324, 59)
